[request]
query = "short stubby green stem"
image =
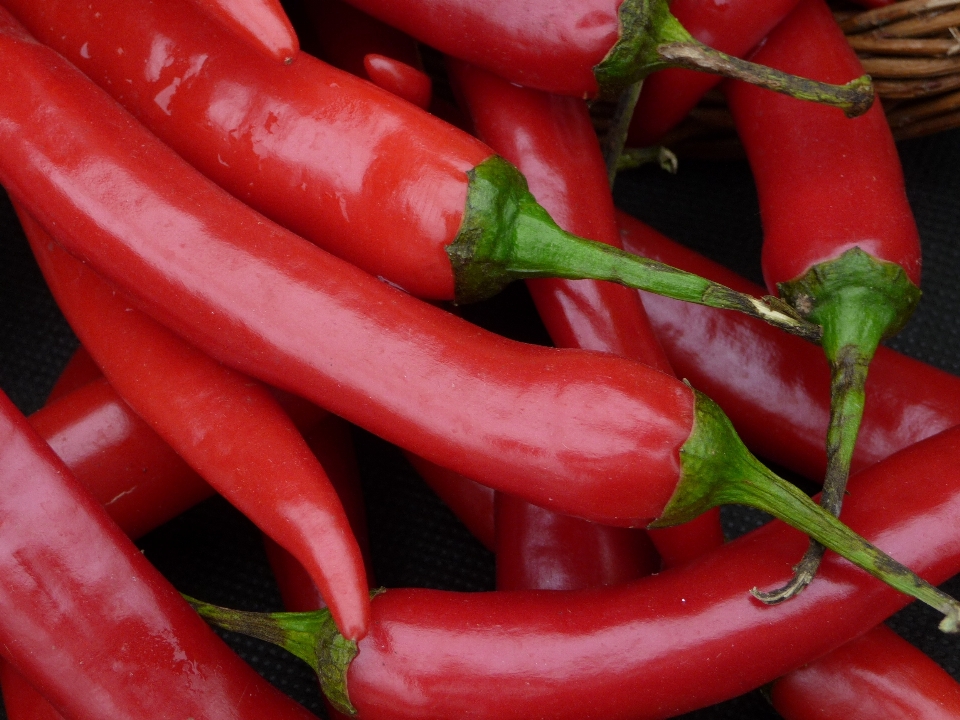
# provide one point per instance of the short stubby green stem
(652, 39)
(859, 301)
(311, 636)
(632, 157)
(506, 235)
(717, 469)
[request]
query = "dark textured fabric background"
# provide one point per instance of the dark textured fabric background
(213, 553)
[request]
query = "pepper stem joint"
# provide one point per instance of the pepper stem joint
(652, 39)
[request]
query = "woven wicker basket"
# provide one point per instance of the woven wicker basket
(910, 48)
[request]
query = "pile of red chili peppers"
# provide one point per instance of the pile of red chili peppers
(262, 223)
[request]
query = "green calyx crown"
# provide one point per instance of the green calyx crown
(652, 39)
(857, 298)
(717, 469)
(311, 636)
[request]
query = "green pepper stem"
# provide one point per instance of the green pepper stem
(311, 636)
(507, 236)
(616, 136)
(652, 39)
(859, 301)
(718, 470)
(632, 158)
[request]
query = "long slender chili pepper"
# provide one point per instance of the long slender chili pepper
(876, 675)
(226, 426)
(627, 651)
(126, 645)
(551, 140)
(840, 241)
(735, 27)
(781, 407)
(261, 23)
(582, 49)
(589, 434)
(402, 195)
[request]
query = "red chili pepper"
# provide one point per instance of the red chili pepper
(551, 140)
(734, 26)
(876, 675)
(261, 23)
(589, 434)
(227, 427)
(402, 195)
(581, 49)
(781, 407)
(627, 651)
(126, 645)
(840, 241)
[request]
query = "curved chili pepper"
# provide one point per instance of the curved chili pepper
(627, 651)
(589, 434)
(401, 194)
(840, 241)
(263, 24)
(735, 27)
(781, 407)
(210, 415)
(876, 675)
(126, 644)
(584, 49)
(551, 140)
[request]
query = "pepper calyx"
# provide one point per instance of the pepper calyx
(856, 298)
(311, 636)
(717, 469)
(480, 252)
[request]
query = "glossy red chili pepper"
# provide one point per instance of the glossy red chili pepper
(363, 46)
(140, 480)
(734, 26)
(876, 675)
(551, 140)
(126, 644)
(781, 405)
(263, 24)
(386, 186)
(840, 241)
(584, 433)
(627, 651)
(581, 49)
(227, 427)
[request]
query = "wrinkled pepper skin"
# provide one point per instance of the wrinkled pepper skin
(604, 426)
(627, 651)
(127, 645)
